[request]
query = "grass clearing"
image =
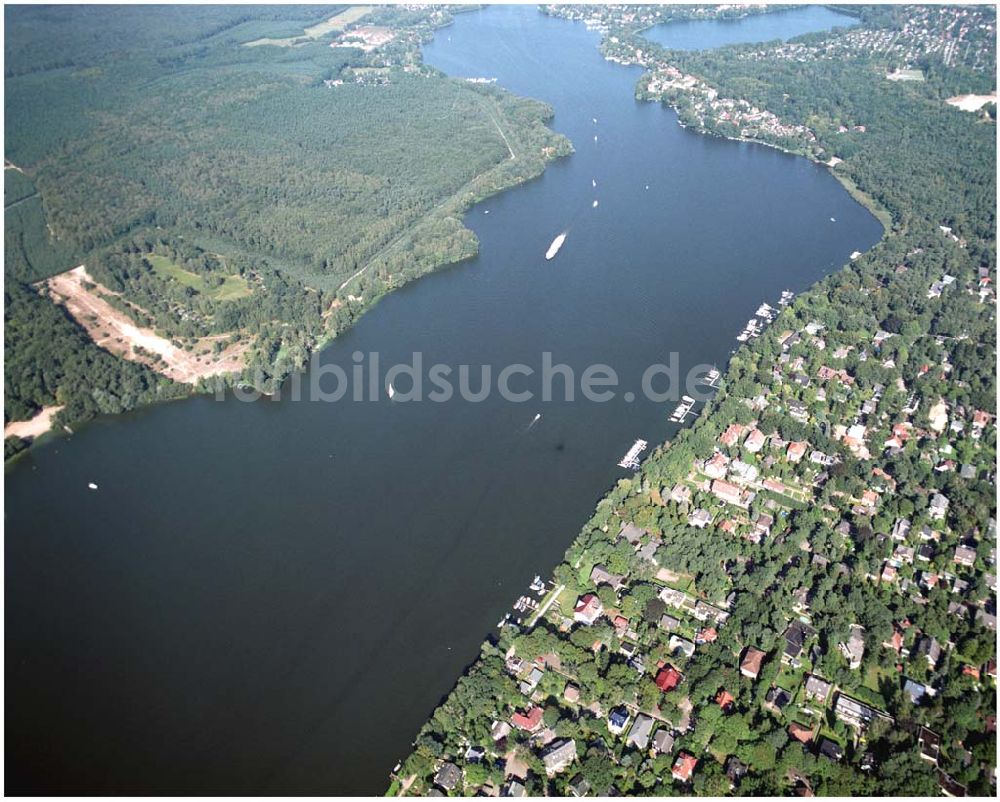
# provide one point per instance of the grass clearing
(231, 289)
(337, 22)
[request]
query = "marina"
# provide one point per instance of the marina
(631, 459)
(683, 409)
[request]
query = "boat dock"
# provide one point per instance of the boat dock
(786, 297)
(683, 409)
(631, 459)
(712, 379)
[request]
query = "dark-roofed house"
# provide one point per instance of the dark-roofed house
(831, 750)
(632, 533)
(777, 699)
(663, 741)
(735, 770)
(558, 755)
(930, 745)
(578, 786)
(448, 776)
(929, 648)
(752, 661)
(602, 576)
(795, 639)
(618, 720)
(857, 714)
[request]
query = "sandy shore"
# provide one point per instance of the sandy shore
(38, 425)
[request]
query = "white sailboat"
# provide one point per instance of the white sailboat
(391, 390)
(557, 243)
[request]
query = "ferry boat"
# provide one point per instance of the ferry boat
(557, 243)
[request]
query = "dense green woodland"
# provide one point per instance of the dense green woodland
(327, 176)
(826, 560)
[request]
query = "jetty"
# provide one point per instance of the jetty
(683, 409)
(631, 459)
(786, 297)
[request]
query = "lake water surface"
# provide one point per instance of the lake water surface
(273, 596)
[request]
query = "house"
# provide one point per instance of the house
(901, 529)
(754, 441)
(515, 788)
(795, 639)
(938, 507)
(731, 436)
(680, 645)
(528, 685)
(743, 472)
(448, 776)
(762, 527)
(716, 466)
(558, 755)
(796, 451)
(700, 519)
(930, 745)
(964, 555)
(929, 648)
(724, 699)
(668, 678)
(950, 786)
(854, 648)
(731, 494)
(571, 693)
(578, 786)
(818, 689)
(752, 661)
(857, 714)
(798, 411)
(618, 720)
(663, 742)
(831, 750)
(669, 623)
(800, 733)
(684, 767)
(529, 721)
(915, 690)
(499, 731)
(602, 576)
(632, 533)
(904, 554)
(638, 736)
(735, 770)
(588, 609)
(680, 494)
(706, 635)
(777, 699)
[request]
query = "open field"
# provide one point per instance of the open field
(232, 287)
(116, 332)
(336, 23)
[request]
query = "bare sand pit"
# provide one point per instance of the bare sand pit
(114, 331)
(971, 102)
(36, 426)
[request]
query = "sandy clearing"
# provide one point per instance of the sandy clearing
(971, 102)
(116, 332)
(27, 429)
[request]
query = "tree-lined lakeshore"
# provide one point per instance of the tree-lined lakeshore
(798, 593)
(313, 173)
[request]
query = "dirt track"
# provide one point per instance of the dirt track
(116, 332)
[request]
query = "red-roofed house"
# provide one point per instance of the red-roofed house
(730, 437)
(588, 609)
(707, 635)
(724, 699)
(684, 767)
(731, 494)
(799, 733)
(796, 451)
(668, 678)
(530, 721)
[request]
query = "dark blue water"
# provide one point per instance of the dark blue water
(787, 24)
(272, 597)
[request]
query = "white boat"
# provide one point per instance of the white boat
(687, 399)
(391, 391)
(595, 204)
(593, 183)
(92, 485)
(595, 137)
(833, 219)
(594, 119)
(557, 243)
